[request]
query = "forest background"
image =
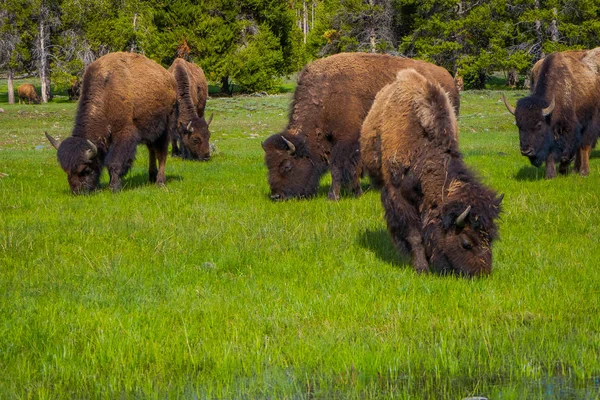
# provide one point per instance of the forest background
(253, 43)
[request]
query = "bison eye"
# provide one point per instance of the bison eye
(466, 243)
(196, 140)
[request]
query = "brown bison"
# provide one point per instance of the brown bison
(560, 119)
(126, 99)
(74, 90)
(435, 208)
(332, 99)
(192, 133)
(27, 93)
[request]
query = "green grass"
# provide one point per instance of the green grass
(207, 289)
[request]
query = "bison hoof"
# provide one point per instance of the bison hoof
(584, 172)
(333, 197)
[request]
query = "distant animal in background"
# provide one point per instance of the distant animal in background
(560, 120)
(126, 100)
(26, 93)
(74, 90)
(191, 138)
(333, 97)
(435, 208)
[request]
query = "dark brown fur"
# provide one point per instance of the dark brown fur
(75, 90)
(426, 185)
(332, 99)
(126, 100)
(26, 93)
(571, 129)
(192, 133)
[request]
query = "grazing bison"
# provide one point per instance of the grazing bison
(75, 90)
(332, 99)
(192, 133)
(126, 99)
(435, 208)
(27, 93)
(560, 119)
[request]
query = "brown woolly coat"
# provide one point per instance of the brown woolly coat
(333, 97)
(192, 93)
(571, 78)
(126, 99)
(26, 93)
(426, 185)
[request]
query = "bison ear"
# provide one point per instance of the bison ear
(262, 144)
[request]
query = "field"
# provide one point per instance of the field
(207, 289)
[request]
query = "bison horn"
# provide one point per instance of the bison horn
(55, 143)
(548, 110)
(510, 108)
(290, 145)
(210, 119)
(189, 127)
(460, 221)
(91, 153)
(499, 200)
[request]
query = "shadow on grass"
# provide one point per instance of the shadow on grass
(139, 180)
(380, 242)
(595, 154)
(530, 173)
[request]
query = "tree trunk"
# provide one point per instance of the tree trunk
(11, 89)
(43, 61)
(554, 27)
(538, 34)
(373, 40)
(304, 19)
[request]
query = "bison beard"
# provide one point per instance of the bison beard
(330, 103)
(126, 100)
(435, 208)
(560, 119)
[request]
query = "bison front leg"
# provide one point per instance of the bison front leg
(583, 156)
(119, 161)
(346, 169)
(403, 224)
(550, 168)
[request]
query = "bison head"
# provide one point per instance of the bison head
(194, 137)
(78, 157)
(292, 172)
(460, 240)
(533, 116)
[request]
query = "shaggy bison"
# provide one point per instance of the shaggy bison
(192, 133)
(74, 90)
(560, 119)
(126, 99)
(26, 93)
(435, 208)
(332, 99)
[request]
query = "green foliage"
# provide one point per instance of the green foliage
(207, 289)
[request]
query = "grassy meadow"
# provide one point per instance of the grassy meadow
(207, 289)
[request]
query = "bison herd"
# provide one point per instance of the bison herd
(392, 118)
